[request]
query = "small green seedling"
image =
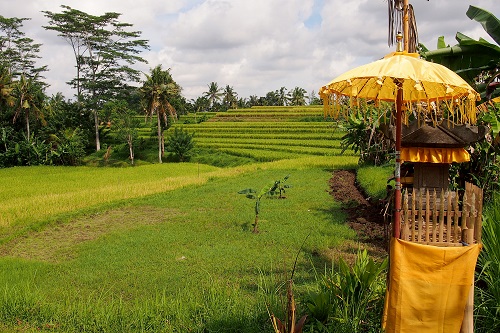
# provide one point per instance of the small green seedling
(274, 189)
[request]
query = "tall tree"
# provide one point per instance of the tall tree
(18, 52)
(282, 96)
(297, 96)
(271, 98)
(124, 123)
(230, 97)
(104, 52)
(29, 97)
(253, 100)
(200, 104)
(213, 94)
(157, 91)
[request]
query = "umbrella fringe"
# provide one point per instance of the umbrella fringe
(457, 110)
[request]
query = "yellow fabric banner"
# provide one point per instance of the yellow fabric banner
(434, 155)
(428, 287)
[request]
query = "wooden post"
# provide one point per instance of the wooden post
(468, 322)
(397, 192)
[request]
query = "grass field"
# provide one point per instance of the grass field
(178, 259)
(169, 247)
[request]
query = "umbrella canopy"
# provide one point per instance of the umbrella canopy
(422, 84)
(416, 86)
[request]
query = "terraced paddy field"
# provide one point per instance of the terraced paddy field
(266, 134)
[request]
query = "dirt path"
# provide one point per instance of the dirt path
(364, 217)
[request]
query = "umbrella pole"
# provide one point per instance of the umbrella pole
(397, 172)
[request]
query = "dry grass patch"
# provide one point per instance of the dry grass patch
(59, 242)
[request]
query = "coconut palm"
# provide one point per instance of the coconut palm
(29, 101)
(282, 96)
(230, 97)
(297, 96)
(157, 90)
(214, 93)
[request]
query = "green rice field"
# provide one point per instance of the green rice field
(169, 247)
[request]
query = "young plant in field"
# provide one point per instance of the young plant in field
(288, 325)
(274, 189)
(351, 298)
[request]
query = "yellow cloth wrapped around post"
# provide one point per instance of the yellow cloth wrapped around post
(428, 287)
(434, 155)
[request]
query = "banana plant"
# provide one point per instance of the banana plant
(473, 59)
(274, 189)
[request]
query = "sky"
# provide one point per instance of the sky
(254, 46)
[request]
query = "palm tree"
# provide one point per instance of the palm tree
(253, 100)
(29, 100)
(200, 104)
(282, 98)
(213, 94)
(230, 97)
(297, 96)
(156, 91)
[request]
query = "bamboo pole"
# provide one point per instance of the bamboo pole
(406, 25)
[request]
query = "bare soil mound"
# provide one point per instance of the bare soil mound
(364, 216)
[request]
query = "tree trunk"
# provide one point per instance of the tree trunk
(130, 148)
(159, 138)
(26, 115)
(96, 124)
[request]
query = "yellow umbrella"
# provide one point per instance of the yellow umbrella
(418, 81)
(416, 86)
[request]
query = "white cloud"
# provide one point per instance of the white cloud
(255, 46)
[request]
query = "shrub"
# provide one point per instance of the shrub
(180, 143)
(350, 298)
(364, 136)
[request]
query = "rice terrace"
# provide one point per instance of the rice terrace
(369, 206)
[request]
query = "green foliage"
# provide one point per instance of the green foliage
(275, 189)
(483, 169)
(477, 61)
(364, 136)
(487, 303)
(350, 298)
(18, 52)
(124, 123)
(68, 147)
(180, 143)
